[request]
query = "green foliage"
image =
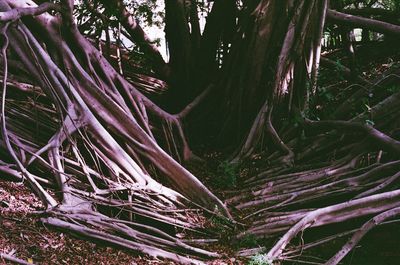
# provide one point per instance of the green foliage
(221, 225)
(226, 175)
(248, 240)
(149, 12)
(370, 122)
(328, 96)
(141, 59)
(365, 104)
(338, 65)
(323, 75)
(259, 259)
(393, 89)
(339, 68)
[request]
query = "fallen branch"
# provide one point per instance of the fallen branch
(13, 259)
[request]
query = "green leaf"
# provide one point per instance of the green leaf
(369, 122)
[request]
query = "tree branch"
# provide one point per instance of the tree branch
(68, 12)
(13, 259)
(381, 139)
(17, 13)
(336, 213)
(377, 220)
(360, 22)
(370, 11)
(138, 35)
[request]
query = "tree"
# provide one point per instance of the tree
(250, 79)
(89, 99)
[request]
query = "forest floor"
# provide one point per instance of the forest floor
(25, 237)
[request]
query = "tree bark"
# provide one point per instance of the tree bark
(360, 22)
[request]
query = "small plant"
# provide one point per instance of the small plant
(393, 88)
(249, 240)
(326, 94)
(298, 118)
(370, 122)
(259, 259)
(366, 104)
(339, 68)
(221, 225)
(226, 175)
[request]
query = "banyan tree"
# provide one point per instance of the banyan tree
(104, 140)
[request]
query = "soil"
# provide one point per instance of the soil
(25, 237)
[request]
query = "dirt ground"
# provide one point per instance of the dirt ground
(23, 235)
